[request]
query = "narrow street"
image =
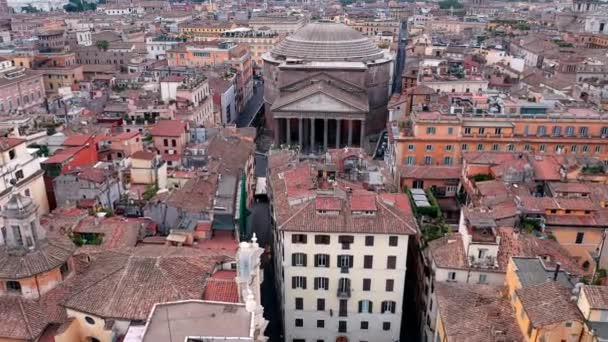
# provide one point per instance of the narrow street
(252, 107)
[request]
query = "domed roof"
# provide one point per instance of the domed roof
(18, 203)
(327, 41)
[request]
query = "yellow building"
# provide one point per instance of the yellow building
(147, 168)
(593, 304)
(541, 301)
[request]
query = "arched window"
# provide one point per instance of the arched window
(89, 320)
(13, 287)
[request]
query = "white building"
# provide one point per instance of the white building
(43, 5)
(20, 166)
(84, 37)
(340, 257)
(597, 23)
(157, 47)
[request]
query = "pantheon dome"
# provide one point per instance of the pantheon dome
(326, 86)
(327, 41)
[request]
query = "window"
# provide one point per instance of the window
(494, 147)
(346, 240)
(559, 148)
(11, 154)
(369, 240)
(585, 148)
(573, 148)
(497, 130)
(299, 322)
(557, 131)
(448, 161)
(320, 323)
(321, 283)
(449, 148)
(298, 238)
(364, 325)
(583, 131)
(17, 235)
(368, 261)
(483, 278)
(429, 147)
(386, 326)
(568, 324)
(579, 238)
(467, 130)
(321, 260)
(342, 326)
(541, 131)
(604, 131)
(165, 142)
(345, 261)
(411, 147)
(299, 303)
(598, 149)
(428, 160)
(511, 148)
(393, 241)
(64, 270)
(410, 160)
(430, 130)
(527, 147)
(569, 131)
(322, 239)
(390, 285)
(298, 259)
(450, 130)
(298, 282)
(320, 304)
(19, 174)
(464, 147)
(365, 306)
(13, 287)
(481, 130)
(388, 306)
(391, 262)
(479, 147)
(542, 148)
(451, 276)
(89, 320)
(367, 284)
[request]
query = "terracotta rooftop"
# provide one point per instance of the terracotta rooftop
(145, 155)
(548, 303)
(168, 128)
(474, 313)
(21, 319)
(597, 296)
(126, 283)
(77, 140)
(8, 143)
(49, 254)
(222, 288)
(430, 172)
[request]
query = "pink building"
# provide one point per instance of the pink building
(169, 138)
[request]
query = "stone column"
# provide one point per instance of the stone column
(338, 127)
(312, 134)
(350, 132)
(325, 129)
(288, 130)
(300, 133)
(362, 132)
(277, 133)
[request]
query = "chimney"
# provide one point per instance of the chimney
(557, 267)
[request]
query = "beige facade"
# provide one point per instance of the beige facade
(148, 171)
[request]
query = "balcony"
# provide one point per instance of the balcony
(343, 292)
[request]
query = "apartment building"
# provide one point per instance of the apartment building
(373, 27)
(340, 250)
(157, 47)
(205, 28)
(190, 92)
(479, 123)
(260, 42)
(235, 56)
(279, 23)
(20, 89)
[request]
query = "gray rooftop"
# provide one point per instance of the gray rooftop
(328, 41)
(174, 322)
(531, 271)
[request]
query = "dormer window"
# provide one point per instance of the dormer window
(363, 212)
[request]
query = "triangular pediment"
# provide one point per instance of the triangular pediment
(321, 77)
(320, 102)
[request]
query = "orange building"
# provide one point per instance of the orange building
(474, 123)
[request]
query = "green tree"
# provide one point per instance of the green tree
(102, 45)
(79, 6)
(29, 9)
(448, 4)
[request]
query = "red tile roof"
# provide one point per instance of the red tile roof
(145, 155)
(597, 296)
(328, 203)
(77, 140)
(430, 172)
(221, 290)
(168, 128)
(8, 143)
(363, 201)
(548, 303)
